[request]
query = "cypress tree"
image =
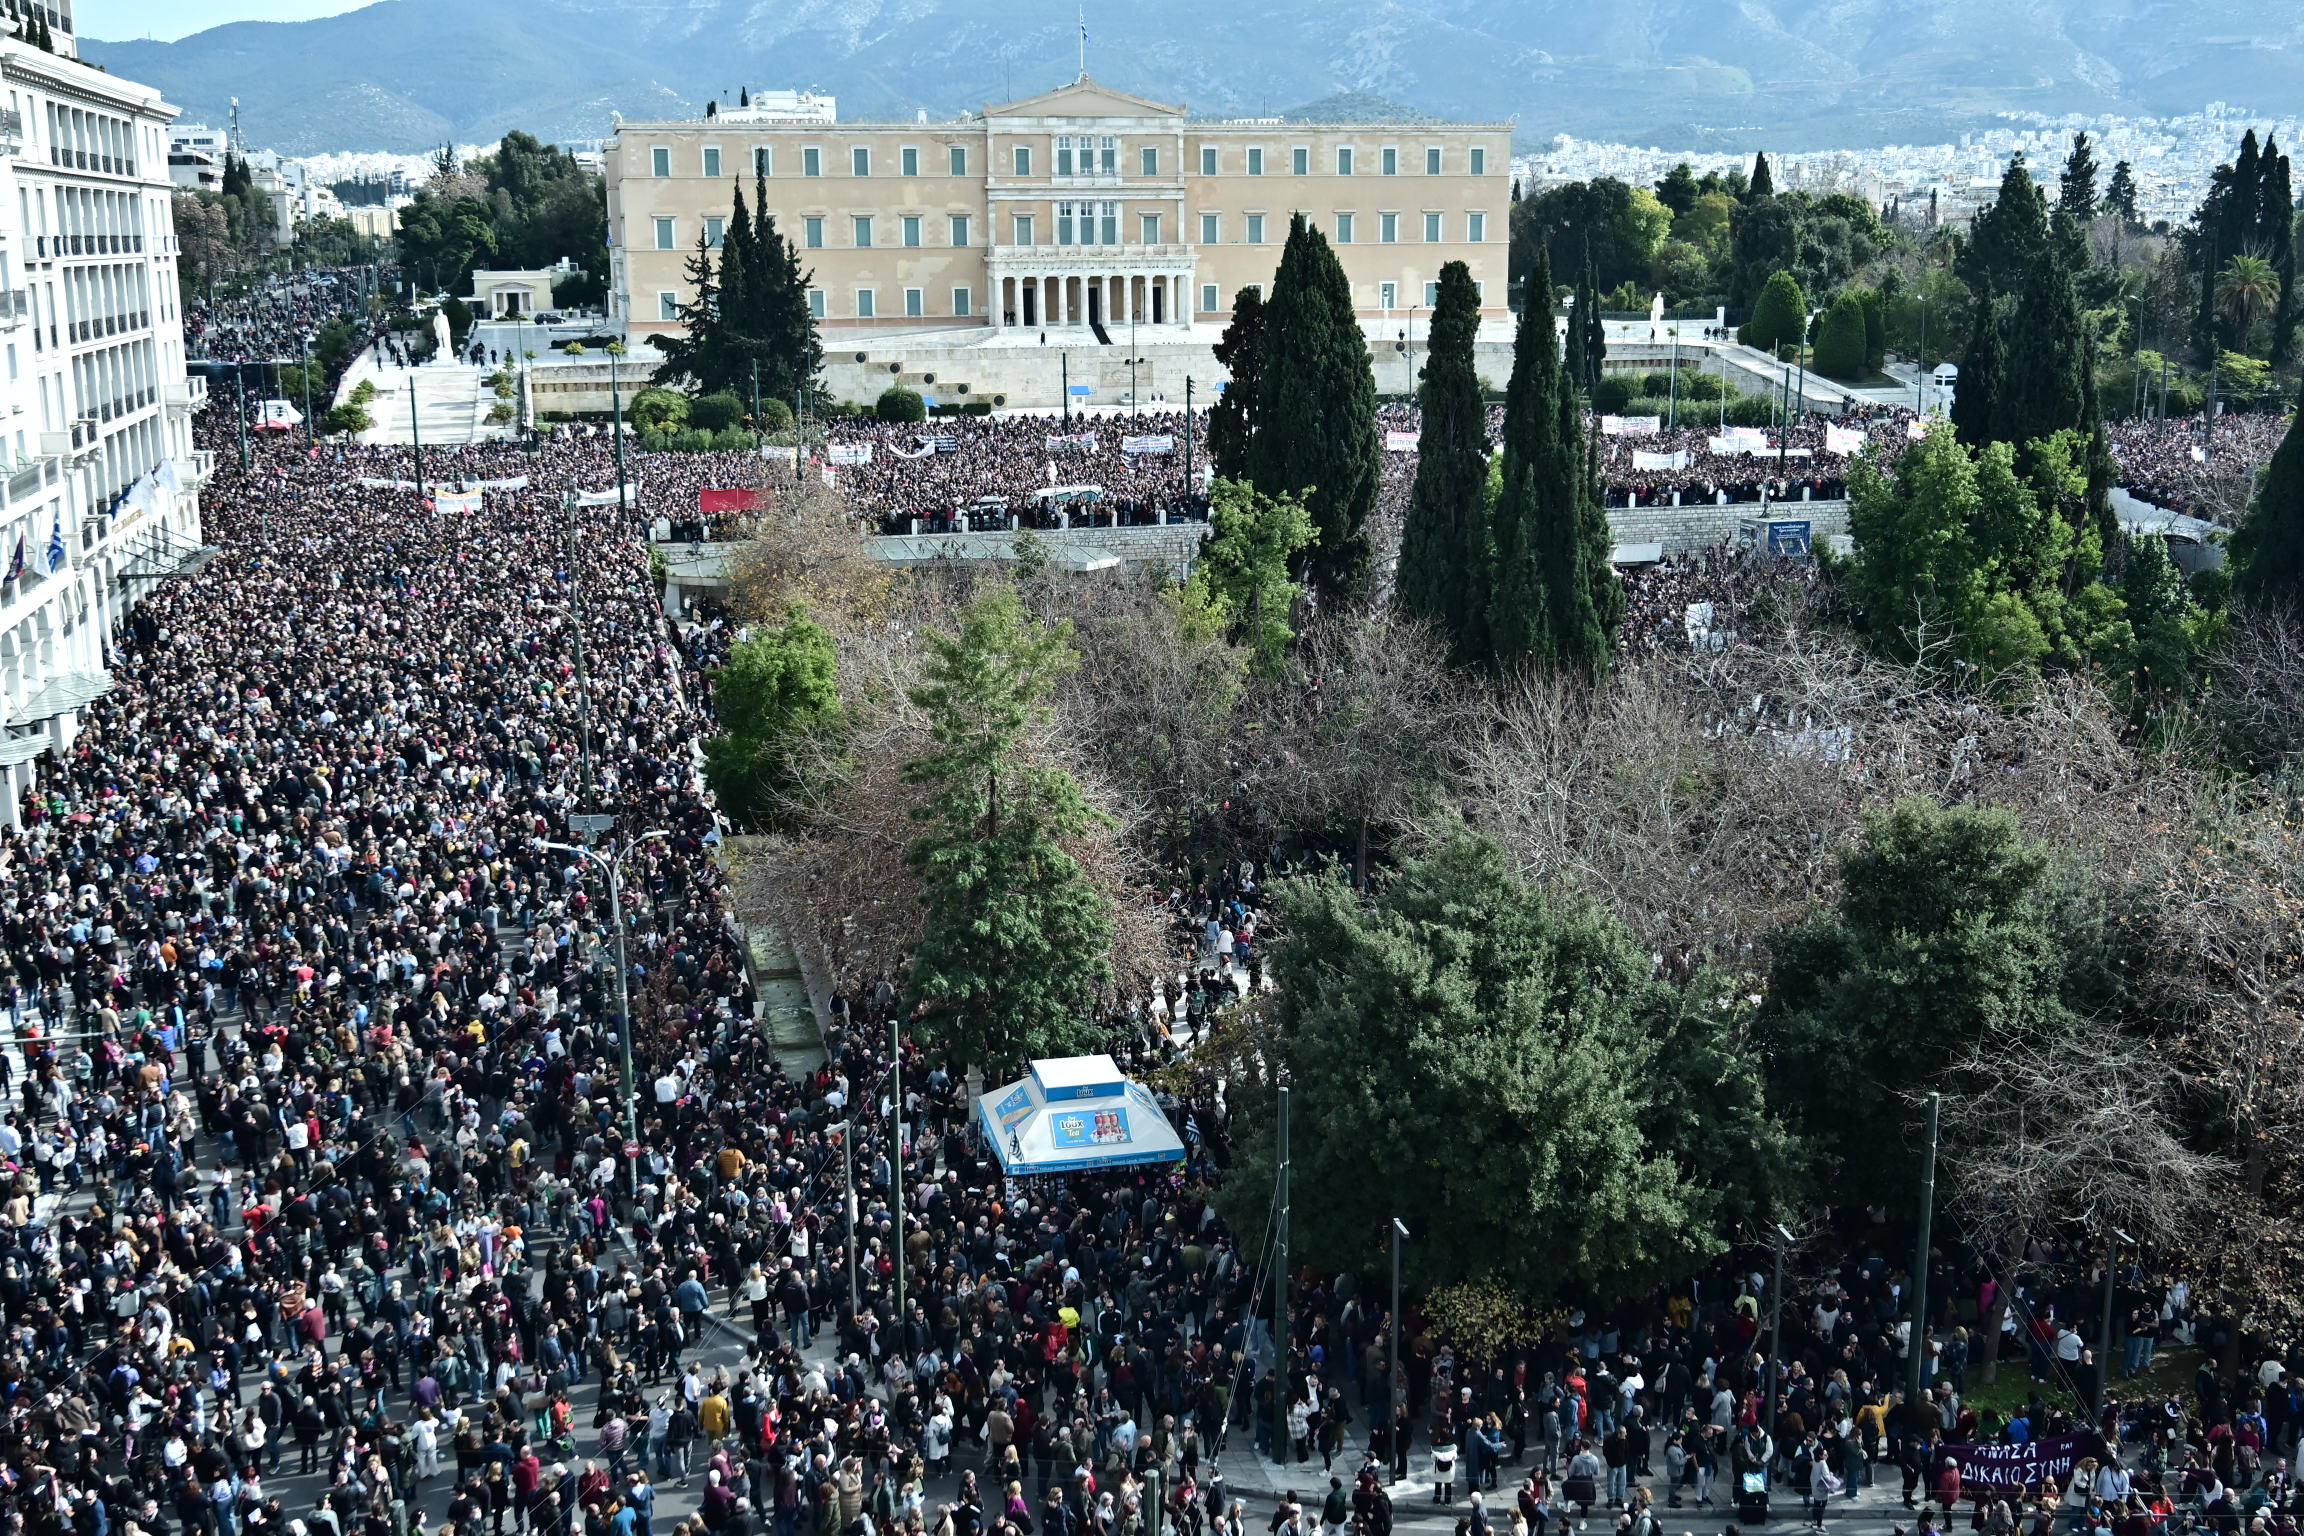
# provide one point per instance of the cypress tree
(2120, 195)
(2043, 359)
(1317, 437)
(2278, 203)
(739, 300)
(1444, 573)
(2007, 239)
(2103, 473)
(1571, 340)
(1583, 604)
(2076, 188)
(695, 354)
(1976, 398)
(1232, 420)
(1762, 184)
(1593, 354)
(2268, 546)
(1517, 620)
(791, 353)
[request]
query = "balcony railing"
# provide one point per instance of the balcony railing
(15, 305)
(188, 394)
(49, 247)
(203, 465)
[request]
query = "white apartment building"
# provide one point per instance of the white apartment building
(99, 482)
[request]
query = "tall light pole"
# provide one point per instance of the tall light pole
(2104, 1330)
(613, 865)
(1920, 372)
(1392, 1359)
(1916, 1352)
(896, 1164)
(1776, 1330)
(616, 407)
(848, 1179)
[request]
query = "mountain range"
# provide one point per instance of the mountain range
(406, 75)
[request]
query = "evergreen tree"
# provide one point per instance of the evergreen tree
(1232, 420)
(1444, 574)
(738, 302)
(2278, 203)
(2103, 472)
(782, 326)
(1840, 344)
(1317, 437)
(1592, 354)
(2120, 195)
(1762, 185)
(2007, 239)
(2076, 188)
(1779, 317)
(1555, 599)
(1976, 398)
(1013, 950)
(2043, 359)
(696, 354)
(1571, 335)
(2268, 546)
(1517, 620)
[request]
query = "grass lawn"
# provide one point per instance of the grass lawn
(1996, 1401)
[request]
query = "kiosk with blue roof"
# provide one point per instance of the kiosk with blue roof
(1075, 1114)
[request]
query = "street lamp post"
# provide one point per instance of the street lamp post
(1392, 1357)
(613, 864)
(1920, 371)
(1776, 1330)
(848, 1179)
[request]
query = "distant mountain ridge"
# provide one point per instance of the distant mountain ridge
(405, 75)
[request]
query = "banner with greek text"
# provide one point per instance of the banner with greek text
(848, 453)
(445, 502)
(1076, 442)
(1843, 440)
(1402, 442)
(1161, 442)
(1630, 426)
(608, 497)
(1674, 460)
(2018, 1466)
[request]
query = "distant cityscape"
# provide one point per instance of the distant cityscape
(2171, 158)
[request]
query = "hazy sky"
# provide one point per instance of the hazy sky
(117, 20)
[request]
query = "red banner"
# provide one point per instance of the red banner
(724, 501)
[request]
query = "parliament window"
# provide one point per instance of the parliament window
(711, 160)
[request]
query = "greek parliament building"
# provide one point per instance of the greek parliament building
(1083, 209)
(99, 482)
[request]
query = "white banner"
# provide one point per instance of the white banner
(1402, 442)
(608, 497)
(2199, 454)
(1916, 429)
(1630, 426)
(1076, 442)
(1726, 444)
(781, 455)
(1149, 443)
(1753, 438)
(1678, 459)
(923, 451)
(456, 501)
(848, 453)
(1843, 439)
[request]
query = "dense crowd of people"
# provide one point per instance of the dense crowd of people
(322, 1132)
(2175, 465)
(278, 318)
(970, 473)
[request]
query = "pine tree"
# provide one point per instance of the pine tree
(1317, 437)
(743, 96)
(1762, 184)
(2043, 359)
(2076, 188)
(1976, 398)
(1444, 576)
(2268, 546)
(1232, 420)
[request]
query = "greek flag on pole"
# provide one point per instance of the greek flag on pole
(56, 545)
